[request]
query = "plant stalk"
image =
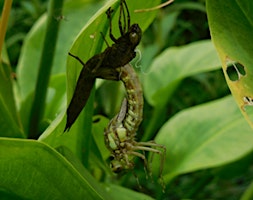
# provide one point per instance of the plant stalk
(45, 66)
(4, 21)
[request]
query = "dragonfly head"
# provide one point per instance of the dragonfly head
(135, 34)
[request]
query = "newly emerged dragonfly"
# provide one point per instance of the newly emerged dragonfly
(104, 65)
(121, 131)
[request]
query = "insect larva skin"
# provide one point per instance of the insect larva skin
(134, 99)
(121, 131)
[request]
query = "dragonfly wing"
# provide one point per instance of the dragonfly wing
(81, 94)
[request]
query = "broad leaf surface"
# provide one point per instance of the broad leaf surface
(231, 25)
(204, 136)
(29, 168)
(33, 170)
(168, 70)
(174, 64)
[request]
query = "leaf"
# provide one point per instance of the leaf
(248, 194)
(168, 70)
(55, 102)
(56, 99)
(209, 135)
(231, 30)
(9, 118)
(97, 130)
(174, 64)
(29, 168)
(125, 194)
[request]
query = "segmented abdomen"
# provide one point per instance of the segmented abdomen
(122, 128)
(133, 88)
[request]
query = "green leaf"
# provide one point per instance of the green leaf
(97, 130)
(9, 118)
(204, 136)
(83, 171)
(56, 99)
(55, 102)
(248, 194)
(118, 192)
(168, 70)
(33, 170)
(174, 64)
(231, 30)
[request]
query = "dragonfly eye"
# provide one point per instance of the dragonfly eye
(134, 38)
(135, 34)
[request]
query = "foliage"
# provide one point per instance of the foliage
(234, 49)
(187, 106)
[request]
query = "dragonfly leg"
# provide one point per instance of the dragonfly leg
(103, 36)
(150, 146)
(77, 58)
(109, 16)
(146, 165)
(120, 16)
(126, 19)
(128, 15)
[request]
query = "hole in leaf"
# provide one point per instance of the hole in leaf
(235, 71)
(96, 120)
(248, 107)
(241, 69)
(248, 101)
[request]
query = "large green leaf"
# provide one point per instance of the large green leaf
(174, 64)
(205, 136)
(168, 70)
(33, 170)
(231, 25)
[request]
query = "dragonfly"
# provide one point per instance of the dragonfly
(104, 65)
(120, 134)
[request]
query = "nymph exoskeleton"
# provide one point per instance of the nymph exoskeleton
(120, 135)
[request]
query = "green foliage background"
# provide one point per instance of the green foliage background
(188, 106)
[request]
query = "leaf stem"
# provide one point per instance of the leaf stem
(4, 21)
(45, 66)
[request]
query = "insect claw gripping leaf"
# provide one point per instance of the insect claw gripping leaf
(103, 65)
